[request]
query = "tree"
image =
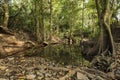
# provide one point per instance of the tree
(37, 21)
(105, 12)
(82, 16)
(43, 21)
(50, 19)
(6, 14)
(105, 42)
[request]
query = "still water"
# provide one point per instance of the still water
(61, 54)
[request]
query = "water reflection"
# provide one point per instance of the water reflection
(61, 54)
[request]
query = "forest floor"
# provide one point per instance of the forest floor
(20, 67)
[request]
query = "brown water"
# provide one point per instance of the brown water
(61, 54)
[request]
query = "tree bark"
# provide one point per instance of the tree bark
(43, 21)
(37, 21)
(107, 18)
(50, 19)
(105, 45)
(104, 17)
(6, 15)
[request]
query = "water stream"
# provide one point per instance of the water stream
(62, 54)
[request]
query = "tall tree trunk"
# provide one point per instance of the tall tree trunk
(37, 22)
(6, 15)
(105, 43)
(104, 18)
(107, 18)
(50, 19)
(43, 21)
(82, 18)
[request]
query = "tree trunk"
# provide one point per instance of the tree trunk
(106, 37)
(37, 22)
(6, 15)
(50, 19)
(82, 22)
(43, 21)
(105, 45)
(107, 18)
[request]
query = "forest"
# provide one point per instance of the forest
(59, 39)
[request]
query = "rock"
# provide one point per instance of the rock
(80, 76)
